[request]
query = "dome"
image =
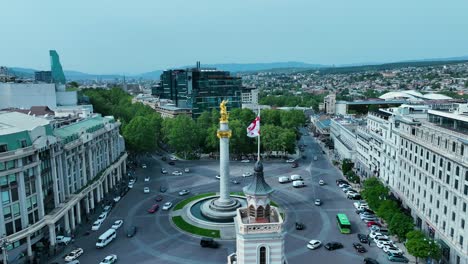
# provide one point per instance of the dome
(410, 95)
(433, 96)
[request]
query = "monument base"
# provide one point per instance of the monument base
(216, 210)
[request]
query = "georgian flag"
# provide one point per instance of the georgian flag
(253, 130)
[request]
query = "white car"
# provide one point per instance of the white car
(321, 182)
(117, 199)
(374, 234)
(318, 202)
(393, 250)
(313, 244)
(381, 244)
(130, 185)
(63, 240)
(146, 190)
(298, 184)
(342, 185)
(177, 173)
(187, 170)
(379, 239)
(290, 161)
(359, 204)
(167, 206)
(184, 192)
(107, 209)
(74, 254)
(246, 174)
(102, 216)
(111, 259)
(218, 177)
(96, 225)
(245, 161)
(143, 166)
(173, 158)
(117, 224)
(296, 177)
(147, 178)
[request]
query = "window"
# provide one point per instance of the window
(464, 207)
(462, 223)
(262, 257)
(461, 240)
(455, 185)
(465, 191)
(449, 165)
(6, 197)
(453, 216)
(451, 232)
(3, 148)
(454, 200)
(454, 146)
(457, 171)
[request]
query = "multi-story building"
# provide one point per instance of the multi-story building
(421, 154)
(433, 177)
(51, 178)
(200, 89)
(329, 104)
(343, 134)
(58, 76)
(43, 76)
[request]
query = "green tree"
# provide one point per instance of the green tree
(347, 166)
(387, 210)
(139, 135)
(400, 224)
(182, 135)
(270, 117)
(421, 247)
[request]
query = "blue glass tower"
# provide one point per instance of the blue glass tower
(58, 76)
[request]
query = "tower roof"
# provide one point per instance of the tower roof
(258, 186)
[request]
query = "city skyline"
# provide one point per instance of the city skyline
(128, 39)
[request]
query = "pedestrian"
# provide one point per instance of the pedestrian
(368, 241)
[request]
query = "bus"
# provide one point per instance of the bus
(343, 223)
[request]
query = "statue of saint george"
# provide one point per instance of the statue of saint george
(224, 114)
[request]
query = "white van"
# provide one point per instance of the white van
(296, 177)
(106, 238)
(284, 179)
(298, 184)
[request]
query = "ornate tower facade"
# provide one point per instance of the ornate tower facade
(259, 227)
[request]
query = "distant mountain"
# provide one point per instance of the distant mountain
(249, 67)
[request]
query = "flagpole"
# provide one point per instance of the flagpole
(258, 139)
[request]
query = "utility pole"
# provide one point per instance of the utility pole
(4, 243)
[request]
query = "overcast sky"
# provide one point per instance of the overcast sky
(115, 36)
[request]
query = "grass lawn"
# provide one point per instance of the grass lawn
(180, 223)
(183, 203)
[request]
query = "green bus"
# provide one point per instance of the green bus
(343, 223)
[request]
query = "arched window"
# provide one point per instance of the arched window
(251, 211)
(267, 210)
(260, 212)
(262, 257)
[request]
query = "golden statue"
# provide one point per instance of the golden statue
(224, 114)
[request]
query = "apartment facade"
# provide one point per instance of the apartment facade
(421, 154)
(51, 178)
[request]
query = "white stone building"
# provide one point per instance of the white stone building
(52, 178)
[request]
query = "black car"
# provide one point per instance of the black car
(333, 245)
(363, 238)
(294, 165)
(364, 210)
(299, 226)
(131, 231)
(341, 181)
(359, 248)
(171, 163)
(162, 189)
(208, 242)
(370, 261)
(163, 158)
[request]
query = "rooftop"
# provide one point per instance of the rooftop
(96, 121)
(14, 122)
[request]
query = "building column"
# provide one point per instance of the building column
(62, 178)
(72, 218)
(106, 184)
(22, 197)
(98, 193)
(87, 204)
(40, 198)
(66, 221)
(54, 179)
(83, 167)
(91, 199)
(30, 253)
(90, 163)
(78, 212)
(52, 234)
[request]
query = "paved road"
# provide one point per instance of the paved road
(157, 241)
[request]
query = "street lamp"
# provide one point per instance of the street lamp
(4, 243)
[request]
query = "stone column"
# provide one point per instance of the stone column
(22, 196)
(90, 163)
(106, 184)
(224, 134)
(91, 199)
(78, 212)
(66, 221)
(61, 177)
(87, 204)
(55, 179)
(98, 192)
(30, 253)
(72, 218)
(52, 234)
(83, 167)
(40, 198)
